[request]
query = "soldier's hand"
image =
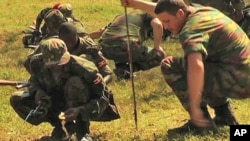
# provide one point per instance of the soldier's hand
(102, 63)
(98, 79)
(127, 3)
(71, 114)
(161, 51)
(238, 15)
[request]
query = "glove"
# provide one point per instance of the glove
(71, 114)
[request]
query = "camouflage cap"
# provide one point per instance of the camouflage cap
(54, 52)
(66, 9)
(54, 16)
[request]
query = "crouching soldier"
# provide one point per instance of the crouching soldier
(68, 84)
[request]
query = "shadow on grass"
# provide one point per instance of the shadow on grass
(171, 135)
(95, 137)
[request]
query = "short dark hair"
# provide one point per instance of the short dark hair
(170, 6)
(67, 28)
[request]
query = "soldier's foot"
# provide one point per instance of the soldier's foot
(189, 127)
(86, 138)
(224, 115)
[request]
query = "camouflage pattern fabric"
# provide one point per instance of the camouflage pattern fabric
(64, 88)
(54, 52)
(226, 52)
(66, 9)
(62, 77)
(54, 17)
(88, 47)
(84, 47)
(113, 41)
(228, 7)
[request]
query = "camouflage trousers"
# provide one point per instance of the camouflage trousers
(74, 93)
(222, 81)
(145, 57)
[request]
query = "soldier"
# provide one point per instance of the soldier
(73, 86)
(66, 9)
(86, 47)
(215, 64)
(113, 42)
(33, 36)
(53, 20)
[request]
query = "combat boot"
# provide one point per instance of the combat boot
(189, 127)
(86, 138)
(122, 70)
(224, 115)
(58, 134)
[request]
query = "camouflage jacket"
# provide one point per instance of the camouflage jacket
(42, 78)
(226, 6)
(87, 48)
(138, 25)
(216, 36)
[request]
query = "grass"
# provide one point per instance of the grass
(157, 108)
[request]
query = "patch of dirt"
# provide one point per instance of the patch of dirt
(2, 40)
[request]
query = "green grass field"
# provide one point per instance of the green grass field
(157, 108)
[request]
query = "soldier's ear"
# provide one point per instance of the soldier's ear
(180, 14)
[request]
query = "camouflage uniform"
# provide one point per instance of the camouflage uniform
(113, 42)
(226, 52)
(87, 48)
(231, 8)
(66, 9)
(228, 7)
(92, 53)
(53, 19)
(33, 35)
(70, 86)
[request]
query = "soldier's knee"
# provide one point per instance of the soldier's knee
(14, 100)
(17, 97)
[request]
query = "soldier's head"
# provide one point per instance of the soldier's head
(53, 20)
(54, 52)
(66, 9)
(173, 14)
(68, 33)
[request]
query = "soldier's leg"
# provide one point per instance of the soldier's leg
(223, 112)
(149, 58)
(122, 70)
(225, 82)
(77, 94)
(22, 102)
(175, 76)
